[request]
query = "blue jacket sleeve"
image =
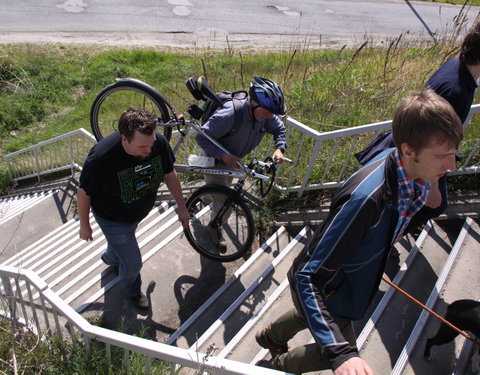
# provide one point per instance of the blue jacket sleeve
(276, 127)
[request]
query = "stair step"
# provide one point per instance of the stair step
(220, 301)
(459, 280)
(252, 300)
(393, 327)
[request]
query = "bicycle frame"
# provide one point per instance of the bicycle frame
(190, 124)
(235, 173)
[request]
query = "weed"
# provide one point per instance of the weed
(48, 91)
(5, 181)
(24, 352)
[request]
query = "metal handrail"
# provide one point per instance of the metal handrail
(50, 157)
(323, 154)
(49, 313)
(326, 158)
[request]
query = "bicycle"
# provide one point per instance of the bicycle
(221, 226)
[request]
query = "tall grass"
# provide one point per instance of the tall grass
(47, 90)
(457, 2)
(22, 352)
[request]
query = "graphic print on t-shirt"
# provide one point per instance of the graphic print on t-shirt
(140, 180)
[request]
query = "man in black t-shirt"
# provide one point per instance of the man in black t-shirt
(119, 182)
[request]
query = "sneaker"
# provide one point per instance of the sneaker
(264, 341)
(114, 268)
(267, 363)
(140, 301)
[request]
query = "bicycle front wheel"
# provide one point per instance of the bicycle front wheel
(116, 98)
(221, 227)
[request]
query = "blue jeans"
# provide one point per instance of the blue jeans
(123, 251)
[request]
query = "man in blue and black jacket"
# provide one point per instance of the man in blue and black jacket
(334, 279)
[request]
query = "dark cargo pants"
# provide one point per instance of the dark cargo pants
(308, 357)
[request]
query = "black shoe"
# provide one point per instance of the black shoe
(264, 341)
(114, 268)
(140, 301)
(266, 363)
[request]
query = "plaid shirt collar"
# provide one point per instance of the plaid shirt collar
(412, 195)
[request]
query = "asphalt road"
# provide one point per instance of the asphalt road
(221, 23)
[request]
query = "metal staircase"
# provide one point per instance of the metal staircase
(207, 307)
(199, 306)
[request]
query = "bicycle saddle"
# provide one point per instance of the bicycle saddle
(200, 90)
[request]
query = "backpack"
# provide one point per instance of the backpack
(382, 142)
(198, 87)
(211, 106)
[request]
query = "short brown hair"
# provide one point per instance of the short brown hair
(425, 115)
(470, 49)
(136, 119)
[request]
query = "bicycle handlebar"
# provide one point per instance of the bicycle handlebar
(268, 166)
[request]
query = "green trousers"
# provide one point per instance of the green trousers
(308, 357)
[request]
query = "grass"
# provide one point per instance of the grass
(52, 355)
(46, 91)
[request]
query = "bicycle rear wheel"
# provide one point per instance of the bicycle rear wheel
(221, 227)
(116, 98)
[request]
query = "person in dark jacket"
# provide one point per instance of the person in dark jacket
(333, 280)
(456, 81)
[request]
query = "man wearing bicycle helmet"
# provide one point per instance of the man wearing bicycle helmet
(259, 113)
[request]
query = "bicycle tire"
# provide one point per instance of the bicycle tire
(116, 98)
(237, 229)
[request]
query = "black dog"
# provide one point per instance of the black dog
(465, 315)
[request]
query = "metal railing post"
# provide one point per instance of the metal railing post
(37, 165)
(9, 167)
(72, 162)
(311, 164)
(8, 290)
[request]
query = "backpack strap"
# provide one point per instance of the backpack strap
(238, 115)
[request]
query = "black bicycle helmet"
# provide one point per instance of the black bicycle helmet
(268, 95)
